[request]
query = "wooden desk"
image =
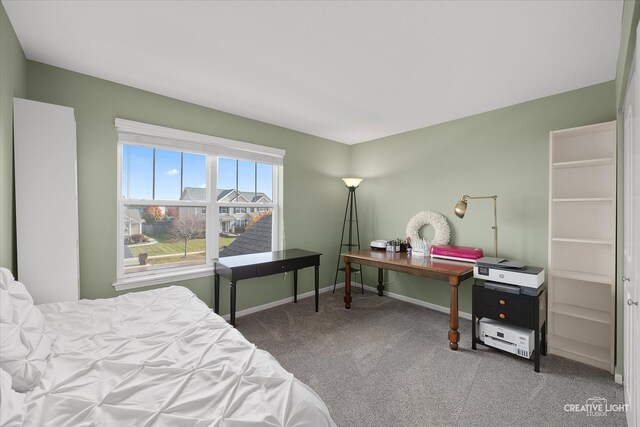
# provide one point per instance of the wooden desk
(262, 264)
(449, 271)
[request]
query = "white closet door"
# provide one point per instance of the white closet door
(631, 270)
(46, 200)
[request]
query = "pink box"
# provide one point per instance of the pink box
(459, 253)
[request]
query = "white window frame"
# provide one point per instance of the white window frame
(143, 134)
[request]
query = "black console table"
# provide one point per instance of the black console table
(513, 309)
(241, 267)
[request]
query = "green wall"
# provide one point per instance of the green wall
(12, 83)
(630, 17)
(503, 152)
(312, 168)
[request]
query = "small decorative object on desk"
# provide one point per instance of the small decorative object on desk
(397, 245)
(420, 248)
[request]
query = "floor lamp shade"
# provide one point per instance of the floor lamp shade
(352, 182)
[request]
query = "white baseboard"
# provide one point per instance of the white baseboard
(618, 378)
(354, 286)
(272, 304)
(415, 301)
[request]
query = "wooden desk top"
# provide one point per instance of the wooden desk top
(411, 264)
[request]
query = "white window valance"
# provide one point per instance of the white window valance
(130, 132)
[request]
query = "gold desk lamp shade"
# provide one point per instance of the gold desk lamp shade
(461, 207)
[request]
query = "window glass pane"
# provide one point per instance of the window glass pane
(245, 231)
(226, 179)
(265, 182)
(159, 237)
(246, 181)
(137, 172)
(168, 175)
(195, 176)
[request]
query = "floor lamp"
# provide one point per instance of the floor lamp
(351, 209)
(461, 209)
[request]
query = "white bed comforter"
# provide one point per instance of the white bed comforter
(162, 358)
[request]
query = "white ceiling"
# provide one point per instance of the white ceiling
(348, 71)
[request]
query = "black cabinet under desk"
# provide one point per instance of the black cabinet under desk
(524, 311)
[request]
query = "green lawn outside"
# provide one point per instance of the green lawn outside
(167, 246)
(226, 241)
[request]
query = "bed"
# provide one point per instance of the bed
(160, 358)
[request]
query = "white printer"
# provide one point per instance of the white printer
(516, 340)
(508, 271)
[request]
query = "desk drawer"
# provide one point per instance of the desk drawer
(276, 267)
(273, 268)
(515, 318)
(505, 301)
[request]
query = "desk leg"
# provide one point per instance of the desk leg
(347, 283)
(536, 347)
(380, 284)
(454, 335)
(216, 293)
(295, 285)
(473, 317)
(233, 304)
(543, 345)
(317, 271)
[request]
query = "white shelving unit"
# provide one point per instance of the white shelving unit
(582, 243)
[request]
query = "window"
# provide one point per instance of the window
(187, 198)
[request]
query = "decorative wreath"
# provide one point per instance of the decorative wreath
(436, 220)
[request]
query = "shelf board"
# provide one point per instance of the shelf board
(584, 199)
(353, 269)
(591, 241)
(581, 163)
(586, 277)
(582, 313)
(598, 356)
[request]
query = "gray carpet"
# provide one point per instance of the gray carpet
(387, 363)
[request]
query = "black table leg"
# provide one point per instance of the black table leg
(536, 346)
(233, 304)
(380, 285)
(317, 271)
(473, 319)
(216, 293)
(295, 285)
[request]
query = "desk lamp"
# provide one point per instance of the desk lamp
(461, 209)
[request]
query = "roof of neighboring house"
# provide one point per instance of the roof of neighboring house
(195, 193)
(221, 194)
(255, 239)
(133, 215)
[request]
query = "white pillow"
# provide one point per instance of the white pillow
(6, 278)
(12, 408)
(24, 347)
